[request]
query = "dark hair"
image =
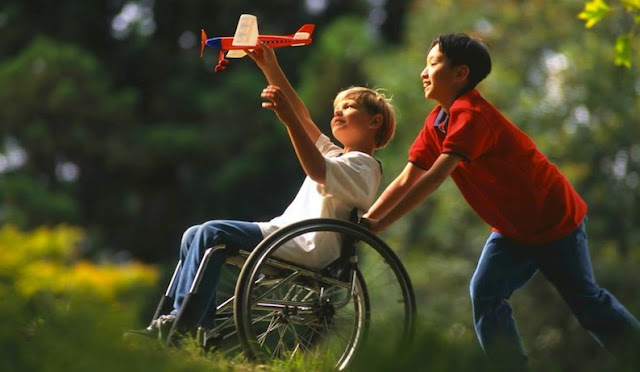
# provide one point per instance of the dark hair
(464, 50)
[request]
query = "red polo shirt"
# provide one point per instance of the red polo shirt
(507, 181)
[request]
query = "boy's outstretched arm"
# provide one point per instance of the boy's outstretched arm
(310, 157)
(266, 59)
(410, 188)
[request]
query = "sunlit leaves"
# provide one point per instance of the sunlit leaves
(631, 5)
(594, 11)
(623, 50)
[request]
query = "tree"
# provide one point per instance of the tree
(557, 83)
(625, 15)
(57, 103)
(137, 138)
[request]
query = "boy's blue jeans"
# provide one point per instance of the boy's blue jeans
(505, 266)
(195, 241)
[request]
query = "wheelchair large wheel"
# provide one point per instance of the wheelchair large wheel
(282, 310)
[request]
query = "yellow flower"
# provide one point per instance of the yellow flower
(44, 261)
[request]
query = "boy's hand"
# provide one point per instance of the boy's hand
(264, 56)
(279, 104)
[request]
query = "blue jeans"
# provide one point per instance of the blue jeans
(195, 241)
(505, 266)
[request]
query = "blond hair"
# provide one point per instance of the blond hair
(374, 101)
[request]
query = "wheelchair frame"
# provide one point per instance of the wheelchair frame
(321, 304)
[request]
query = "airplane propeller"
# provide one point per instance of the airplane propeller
(203, 41)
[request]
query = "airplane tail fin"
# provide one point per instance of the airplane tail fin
(304, 32)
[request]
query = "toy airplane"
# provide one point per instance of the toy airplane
(247, 38)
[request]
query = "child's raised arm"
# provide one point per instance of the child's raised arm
(310, 157)
(265, 58)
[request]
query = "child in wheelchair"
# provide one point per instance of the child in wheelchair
(338, 179)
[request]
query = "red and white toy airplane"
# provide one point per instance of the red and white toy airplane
(247, 38)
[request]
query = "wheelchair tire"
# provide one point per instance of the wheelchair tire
(282, 310)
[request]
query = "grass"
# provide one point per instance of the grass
(80, 342)
(46, 333)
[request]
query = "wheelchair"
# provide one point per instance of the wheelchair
(268, 308)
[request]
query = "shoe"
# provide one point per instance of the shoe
(159, 328)
(163, 326)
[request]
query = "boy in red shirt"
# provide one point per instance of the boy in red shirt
(537, 218)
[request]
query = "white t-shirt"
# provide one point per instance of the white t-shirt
(352, 181)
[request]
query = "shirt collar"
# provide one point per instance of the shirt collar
(442, 121)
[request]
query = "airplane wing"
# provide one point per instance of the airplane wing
(246, 35)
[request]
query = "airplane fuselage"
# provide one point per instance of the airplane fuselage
(226, 42)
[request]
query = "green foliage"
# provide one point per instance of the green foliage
(593, 12)
(334, 63)
(623, 50)
(556, 83)
(82, 334)
(547, 83)
(56, 101)
(22, 196)
(56, 304)
(155, 141)
(160, 142)
(596, 10)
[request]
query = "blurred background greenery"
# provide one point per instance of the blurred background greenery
(115, 137)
